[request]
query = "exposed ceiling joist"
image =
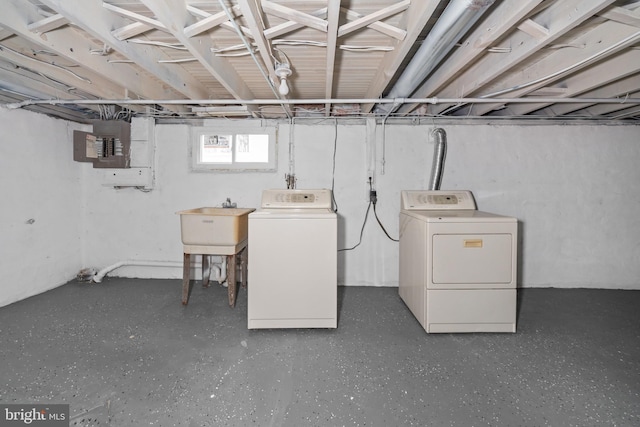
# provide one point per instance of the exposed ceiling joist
(96, 74)
(209, 21)
(290, 26)
(371, 18)
(381, 27)
(589, 83)
(415, 18)
(34, 84)
(333, 15)
(290, 14)
(507, 15)
(93, 18)
(47, 24)
(175, 17)
(621, 89)
(588, 49)
(153, 23)
(559, 18)
(562, 59)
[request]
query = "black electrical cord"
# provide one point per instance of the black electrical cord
(366, 215)
(373, 200)
(382, 226)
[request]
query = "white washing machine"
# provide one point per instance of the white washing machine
(292, 268)
(458, 265)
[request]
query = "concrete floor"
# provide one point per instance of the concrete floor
(126, 353)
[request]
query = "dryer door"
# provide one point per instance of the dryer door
(472, 259)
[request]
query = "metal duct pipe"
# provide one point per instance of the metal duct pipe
(455, 21)
(439, 154)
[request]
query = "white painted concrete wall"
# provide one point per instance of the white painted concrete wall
(573, 188)
(41, 217)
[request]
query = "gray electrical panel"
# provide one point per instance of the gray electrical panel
(108, 146)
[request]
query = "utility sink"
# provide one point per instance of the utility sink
(214, 226)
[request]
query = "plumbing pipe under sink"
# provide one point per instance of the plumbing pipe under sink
(221, 271)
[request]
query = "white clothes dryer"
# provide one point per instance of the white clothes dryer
(458, 265)
(292, 268)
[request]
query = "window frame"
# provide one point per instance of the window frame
(195, 149)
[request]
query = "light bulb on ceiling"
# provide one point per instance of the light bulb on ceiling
(284, 88)
(283, 70)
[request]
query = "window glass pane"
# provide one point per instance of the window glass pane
(216, 149)
(252, 148)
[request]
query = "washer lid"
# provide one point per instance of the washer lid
(423, 200)
(293, 213)
(299, 199)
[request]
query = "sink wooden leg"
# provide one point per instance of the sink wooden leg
(244, 259)
(206, 271)
(186, 268)
(231, 279)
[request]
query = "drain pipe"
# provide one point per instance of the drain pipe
(97, 278)
(455, 21)
(221, 272)
(439, 154)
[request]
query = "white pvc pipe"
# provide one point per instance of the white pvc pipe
(433, 100)
(220, 276)
(220, 270)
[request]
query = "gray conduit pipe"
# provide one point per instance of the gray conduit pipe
(439, 155)
(454, 22)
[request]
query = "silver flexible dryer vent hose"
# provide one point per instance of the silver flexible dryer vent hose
(439, 154)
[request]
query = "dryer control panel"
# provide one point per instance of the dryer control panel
(426, 200)
(296, 199)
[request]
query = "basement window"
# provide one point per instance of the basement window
(226, 150)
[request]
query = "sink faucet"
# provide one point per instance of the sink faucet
(228, 204)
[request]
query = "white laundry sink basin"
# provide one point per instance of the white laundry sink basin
(214, 226)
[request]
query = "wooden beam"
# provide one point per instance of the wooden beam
(47, 24)
(378, 26)
(33, 84)
(534, 29)
(174, 15)
(592, 83)
(561, 17)
(131, 30)
(333, 16)
(253, 16)
(373, 17)
(506, 15)
(285, 12)
(135, 16)
(111, 81)
(5, 34)
(209, 21)
(93, 18)
(416, 17)
(624, 113)
(563, 62)
(623, 16)
(289, 26)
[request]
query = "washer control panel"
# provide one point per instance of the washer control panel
(296, 199)
(425, 200)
